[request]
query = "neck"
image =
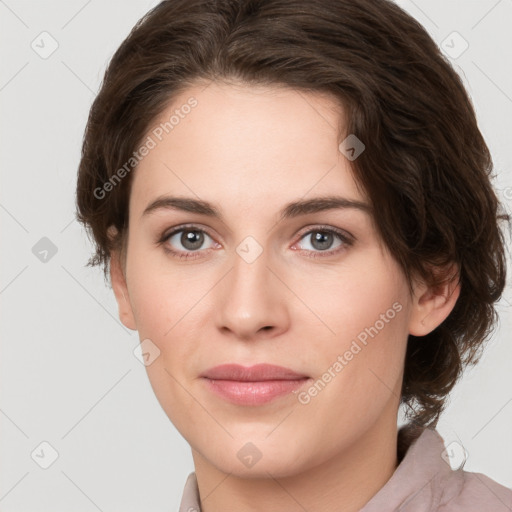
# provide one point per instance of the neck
(343, 483)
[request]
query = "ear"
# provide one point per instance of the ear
(432, 305)
(118, 280)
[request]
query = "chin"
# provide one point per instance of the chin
(257, 458)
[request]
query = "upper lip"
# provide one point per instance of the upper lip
(258, 372)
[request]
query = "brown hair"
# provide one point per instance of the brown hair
(426, 168)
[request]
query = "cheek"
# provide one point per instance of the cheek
(356, 299)
(166, 306)
(360, 358)
(164, 311)
(157, 297)
(153, 308)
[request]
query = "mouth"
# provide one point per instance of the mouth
(255, 385)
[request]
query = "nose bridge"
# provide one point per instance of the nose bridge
(250, 283)
(251, 298)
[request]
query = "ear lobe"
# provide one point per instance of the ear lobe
(120, 288)
(432, 305)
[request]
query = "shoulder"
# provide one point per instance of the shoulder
(425, 482)
(475, 492)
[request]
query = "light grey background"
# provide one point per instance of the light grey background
(68, 373)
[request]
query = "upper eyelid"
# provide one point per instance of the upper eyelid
(186, 227)
(323, 227)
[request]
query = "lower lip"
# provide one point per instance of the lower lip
(253, 393)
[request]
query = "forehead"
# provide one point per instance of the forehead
(245, 148)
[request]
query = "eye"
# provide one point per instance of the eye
(322, 239)
(187, 240)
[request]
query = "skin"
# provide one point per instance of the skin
(250, 151)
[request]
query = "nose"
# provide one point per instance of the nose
(252, 300)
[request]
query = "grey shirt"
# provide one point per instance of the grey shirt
(422, 482)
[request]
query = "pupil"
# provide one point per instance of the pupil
(322, 240)
(192, 239)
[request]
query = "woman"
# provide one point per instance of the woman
(292, 200)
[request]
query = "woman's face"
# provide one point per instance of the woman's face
(314, 290)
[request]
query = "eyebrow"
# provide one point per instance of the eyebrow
(290, 210)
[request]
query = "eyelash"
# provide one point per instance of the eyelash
(347, 241)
